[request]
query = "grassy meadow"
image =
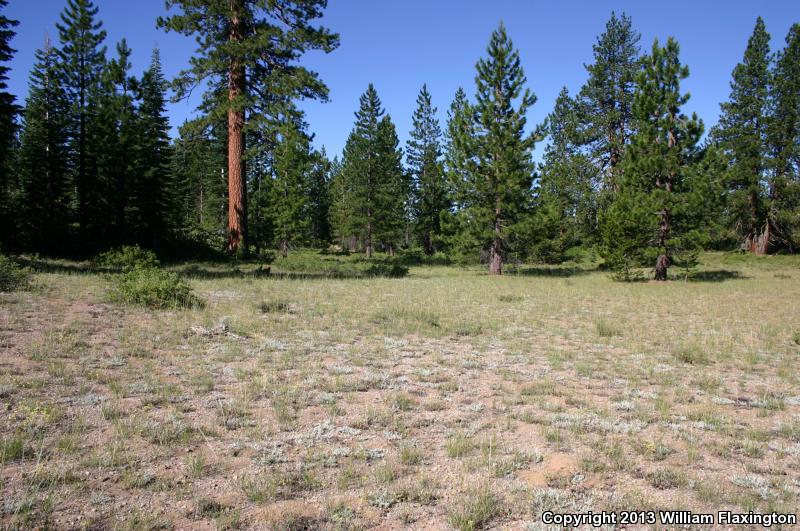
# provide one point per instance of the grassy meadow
(443, 399)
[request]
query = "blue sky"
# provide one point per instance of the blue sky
(399, 45)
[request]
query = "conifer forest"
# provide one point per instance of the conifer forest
(485, 321)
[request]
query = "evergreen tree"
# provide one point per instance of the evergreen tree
(319, 198)
(43, 161)
(742, 134)
(392, 190)
(566, 202)
(155, 188)
(82, 60)
(606, 99)
(291, 206)
(428, 184)
(361, 174)
(495, 153)
(8, 113)
(113, 146)
(254, 46)
(654, 216)
(784, 143)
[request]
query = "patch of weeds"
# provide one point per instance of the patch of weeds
(467, 329)
(410, 456)
(387, 473)
(382, 499)
(274, 306)
(796, 338)
(195, 465)
(280, 485)
(127, 258)
(459, 446)
(401, 402)
(475, 509)
(510, 298)
(666, 478)
(341, 517)
(691, 355)
(422, 491)
(171, 431)
(606, 328)
(544, 387)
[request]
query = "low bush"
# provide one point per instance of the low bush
(154, 288)
(127, 258)
(340, 266)
(12, 276)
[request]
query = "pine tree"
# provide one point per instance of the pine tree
(361, 174)
(428, 183)
(495, 193)
(653, 218)
(155, 186)
(291, 206)
(319, 198)
(392, 190)
(8, 114)
(114, 146)
(43, 161)
(606, 99)
(566, 203)
(253, 45)
(82, 60)
(784, 143)
(742, 134)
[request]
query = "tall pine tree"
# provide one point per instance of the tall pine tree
(653, 218)
(784, 143)
(430, 193)
(607, 97)
(742, 134)
(8, 113)
(254, 47)
(43, 160)
(82, 61)
(495, 192)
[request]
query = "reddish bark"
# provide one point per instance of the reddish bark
(237, 84)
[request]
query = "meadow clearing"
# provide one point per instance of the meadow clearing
(444, 399)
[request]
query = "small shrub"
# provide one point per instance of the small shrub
(127, 258)
(796, 337)
(665, 478)
(154, 288)
(12, 276)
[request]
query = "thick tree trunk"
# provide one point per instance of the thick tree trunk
(368, 243)
(237, 192)
(662, 264)
(495, 256)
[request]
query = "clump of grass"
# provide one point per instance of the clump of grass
(282, 485)
(459, 446)
(796, 338)
(274, 306)
(12, 276)
(475, 509)
(409, 455)
(155, 289)
(691, 355)
(606, 328)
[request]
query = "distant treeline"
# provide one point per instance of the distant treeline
(88, 162)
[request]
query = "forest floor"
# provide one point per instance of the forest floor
(446, 399)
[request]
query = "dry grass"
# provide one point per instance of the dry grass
(447, 398)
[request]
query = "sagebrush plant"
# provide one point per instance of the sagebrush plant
(12, 276)
(127, 258)
(154, 288)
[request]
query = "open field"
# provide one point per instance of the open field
(444, 399)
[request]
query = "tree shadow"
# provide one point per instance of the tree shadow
(550, 271)
(41, 265)
(715, 275)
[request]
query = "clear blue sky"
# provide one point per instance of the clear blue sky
(401, 44)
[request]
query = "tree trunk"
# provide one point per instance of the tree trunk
(662, 264)
(237, 192)
(368, 243)
(495, 256)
